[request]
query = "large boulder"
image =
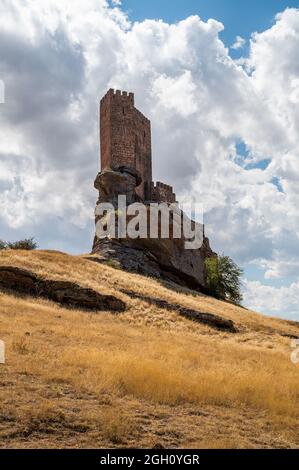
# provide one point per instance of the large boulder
(112, 183)
(161, 259)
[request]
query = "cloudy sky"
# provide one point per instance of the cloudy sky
(220, 83)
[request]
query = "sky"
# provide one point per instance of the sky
(219, 81)
(239, 17)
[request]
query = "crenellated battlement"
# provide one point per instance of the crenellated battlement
(118, 94)
(125, 98)
(161, 192)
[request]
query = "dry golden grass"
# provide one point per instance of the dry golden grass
(142, 377)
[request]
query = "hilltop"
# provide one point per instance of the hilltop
(175, 368)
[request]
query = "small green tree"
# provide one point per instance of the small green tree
(223, 278)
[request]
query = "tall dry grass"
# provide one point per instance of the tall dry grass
(166, 371)
(147, 353)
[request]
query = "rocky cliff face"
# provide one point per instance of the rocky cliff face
(165, 258)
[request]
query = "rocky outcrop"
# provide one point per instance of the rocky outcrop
(111, 183)
(136, 256)
(64, 292)
(165, 258)
(214, 321)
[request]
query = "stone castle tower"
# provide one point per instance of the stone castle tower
(125, 135)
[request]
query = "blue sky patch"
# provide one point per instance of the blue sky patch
(240, 17)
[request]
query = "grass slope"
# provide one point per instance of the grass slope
(144, 377)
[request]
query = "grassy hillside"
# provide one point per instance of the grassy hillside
(144, 377)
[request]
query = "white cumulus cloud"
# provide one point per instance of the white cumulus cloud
(282, 301)
(239, 43)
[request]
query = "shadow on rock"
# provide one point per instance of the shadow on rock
(65, 293)
(209, 319)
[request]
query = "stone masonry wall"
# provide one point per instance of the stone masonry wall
(125, 137)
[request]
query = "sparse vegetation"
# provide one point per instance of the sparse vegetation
(26, 244)
(20, 345)
(116, 426)
(224, 278)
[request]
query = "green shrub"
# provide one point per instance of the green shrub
(223, 278)
(26, 244)
(3, 245)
